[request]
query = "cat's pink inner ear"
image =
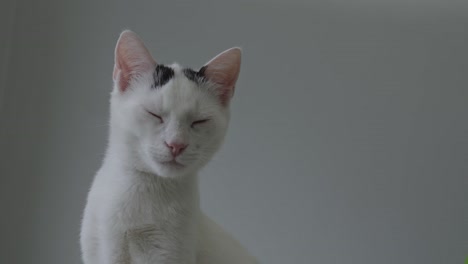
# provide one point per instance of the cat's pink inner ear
(132, 58)
(224, 70)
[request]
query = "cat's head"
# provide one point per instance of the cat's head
(170, 120)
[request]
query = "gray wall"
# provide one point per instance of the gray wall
(348, 142)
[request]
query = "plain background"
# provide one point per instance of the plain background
(349, 134)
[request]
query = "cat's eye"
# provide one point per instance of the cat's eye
(157, 116)
(198, 122)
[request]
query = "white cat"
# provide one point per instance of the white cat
(166, 123)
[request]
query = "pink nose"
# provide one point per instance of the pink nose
(176, 148)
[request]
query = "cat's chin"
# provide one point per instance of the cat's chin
(171, 169)
(173, 164)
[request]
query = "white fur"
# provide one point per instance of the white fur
(140, 210)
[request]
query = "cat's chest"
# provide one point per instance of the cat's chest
(154, 224)
(135, 207)
(143, 204)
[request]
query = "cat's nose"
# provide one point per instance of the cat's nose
(176, 147)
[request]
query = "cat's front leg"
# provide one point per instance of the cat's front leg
(149, 244)
(115, 248)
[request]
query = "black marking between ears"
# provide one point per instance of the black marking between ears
(162, 74)
(195, 76)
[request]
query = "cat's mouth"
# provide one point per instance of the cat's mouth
(173, 163)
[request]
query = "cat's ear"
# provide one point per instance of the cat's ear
(132, 58)
(224, 70)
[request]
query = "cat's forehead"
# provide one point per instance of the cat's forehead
(178, 89)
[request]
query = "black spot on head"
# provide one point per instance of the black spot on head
(195, 76)
(202, 70)
(162, 74)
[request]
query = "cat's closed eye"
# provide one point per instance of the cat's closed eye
(199, 122)
(157, 116)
